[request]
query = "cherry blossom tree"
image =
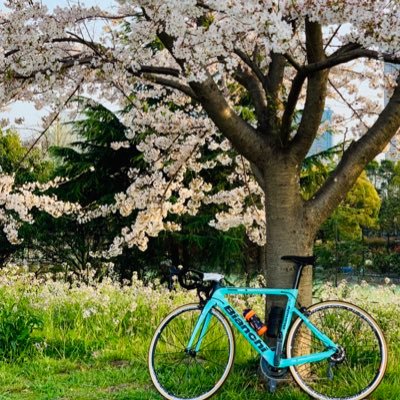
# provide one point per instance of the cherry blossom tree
(286, 58)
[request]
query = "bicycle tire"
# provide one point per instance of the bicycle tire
(179, 375)
(356, 370)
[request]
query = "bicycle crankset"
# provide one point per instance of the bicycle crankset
(272, 375)
(270, 372)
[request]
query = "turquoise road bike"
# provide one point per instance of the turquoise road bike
(333, 349)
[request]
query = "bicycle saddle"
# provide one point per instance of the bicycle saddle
(212, 276)
(299, 260)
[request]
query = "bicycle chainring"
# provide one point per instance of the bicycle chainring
(270, 372)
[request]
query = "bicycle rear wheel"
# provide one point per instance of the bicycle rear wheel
(181, 373)
(356, 370)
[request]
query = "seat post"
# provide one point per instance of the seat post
(296, 282)
(299, 262)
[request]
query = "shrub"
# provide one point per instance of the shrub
(386, 263)
(17, 323)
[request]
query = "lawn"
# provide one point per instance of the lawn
(90, 341)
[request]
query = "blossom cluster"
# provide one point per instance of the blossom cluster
(181, 149)
(17, 203)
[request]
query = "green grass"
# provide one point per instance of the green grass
(62, 379)
(122, 375)
(47, 379)
(91, 341)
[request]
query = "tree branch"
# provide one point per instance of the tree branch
(274, 83)
(355, 159)
(292, 62)
(345, 56)
(253, 66)
(332, 37)
(258, 175)
(171, 83)
(355, 112)
(247, 79)
(159, 70)
(291, 103)
(243, 136)
(72, 94)
(316, 94)
(100, 51)
(271, 84)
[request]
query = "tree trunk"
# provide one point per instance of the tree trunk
(289, 231)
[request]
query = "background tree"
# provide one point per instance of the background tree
(360, 210)
(94, 172)
(287, 57)
(26, 169)
(387, 175)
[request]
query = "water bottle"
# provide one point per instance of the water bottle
(255, 322)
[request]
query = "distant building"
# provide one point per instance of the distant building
(325, 141)
(393, 151)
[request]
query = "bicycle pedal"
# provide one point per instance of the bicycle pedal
(272, 383)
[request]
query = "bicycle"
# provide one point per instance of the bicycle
(333, 349)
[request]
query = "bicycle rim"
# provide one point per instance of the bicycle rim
(178, 373)
(356, 370)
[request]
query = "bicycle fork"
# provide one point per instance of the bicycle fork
(199, 331)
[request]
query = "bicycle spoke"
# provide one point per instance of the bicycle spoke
(169, 352)
(177, 337)
(213, 362)
(359, 359)
(186, 374)
(168, 343)
(208, 344)
(205, 334)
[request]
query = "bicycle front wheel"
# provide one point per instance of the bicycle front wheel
(196, 374)
(356, 369)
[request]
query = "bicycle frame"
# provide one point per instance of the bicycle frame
(218, 300)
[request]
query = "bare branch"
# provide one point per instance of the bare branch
(10, 53)
(355, 112)
(159, 70)
(253, 66)
(345, 56)
(292, 62)
(332, 37)
(49, 125)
